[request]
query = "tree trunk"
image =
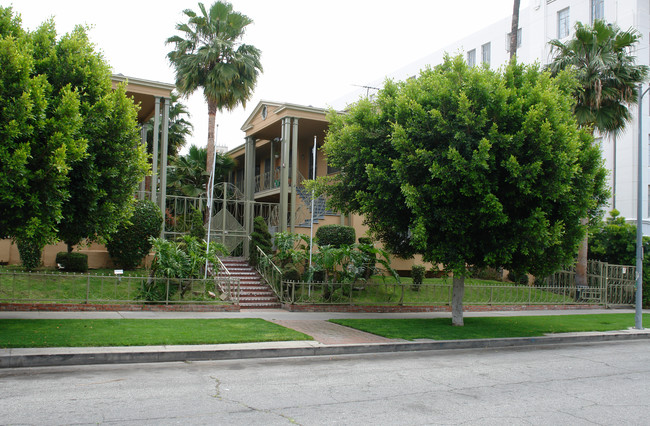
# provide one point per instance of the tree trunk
(581, 265)
(212, 117)
(458, 291)
(514, 29)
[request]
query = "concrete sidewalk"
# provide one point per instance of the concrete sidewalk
(329, 338)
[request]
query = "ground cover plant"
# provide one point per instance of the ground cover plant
(490, 327)
(140, 332)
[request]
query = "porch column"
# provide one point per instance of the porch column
(154, 157)
(249, 189)
(143, 141)
(163, 162)
(284, 173)
(294, 173)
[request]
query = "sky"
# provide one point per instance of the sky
(313, 52)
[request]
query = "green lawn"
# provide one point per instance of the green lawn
(35, 333)
(490, 327)
(95, 287)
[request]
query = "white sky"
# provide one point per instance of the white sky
(313, 52)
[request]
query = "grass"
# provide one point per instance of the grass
(93, 287)
(490, 327)
(36, 333)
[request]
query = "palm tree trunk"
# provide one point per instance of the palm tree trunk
(514, 29)
(212, 117)
(457, 292)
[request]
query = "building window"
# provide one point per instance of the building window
(485, 53)
(508, 38)
(471, 57)
(563, 23)
(597, 10)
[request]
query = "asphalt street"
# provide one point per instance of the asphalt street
(576, 384)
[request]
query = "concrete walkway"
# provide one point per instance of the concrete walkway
(329, 338)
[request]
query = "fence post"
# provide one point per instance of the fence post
(167, 293)
(87, 288)
(605, 284)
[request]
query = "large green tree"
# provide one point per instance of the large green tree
(600, 57)
(469, 166)
(103, 182)
(209, 55)
(40, 139)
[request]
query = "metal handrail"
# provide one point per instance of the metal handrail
(272, 277)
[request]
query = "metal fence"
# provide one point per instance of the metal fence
(608, 285)
(17, 287)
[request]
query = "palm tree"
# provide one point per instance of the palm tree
(188, 176)
(601, 60)
(210, 55)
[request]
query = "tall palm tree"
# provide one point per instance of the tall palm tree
(601, 58)
(210, 55)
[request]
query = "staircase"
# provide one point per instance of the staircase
(320, 206)
(254, 292)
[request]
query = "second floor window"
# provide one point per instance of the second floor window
(563, 23)
(485, 53)
(597, 10)
(471, 57)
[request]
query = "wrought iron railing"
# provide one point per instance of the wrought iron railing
(269, 271)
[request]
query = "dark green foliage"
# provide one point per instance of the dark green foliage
(417, 275)
(335, 235)
(365, 240)
(197, 230)
(130, 244)
(487, 273)
(613, 241)
(72, 261)
(260, 237)
(30, 253)
(290, 273)
(518, 277)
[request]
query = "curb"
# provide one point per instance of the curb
(199, 354)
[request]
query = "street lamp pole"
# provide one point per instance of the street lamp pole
(638, 315)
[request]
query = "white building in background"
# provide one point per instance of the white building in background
(545, 20)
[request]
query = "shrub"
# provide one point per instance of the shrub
(335, 235)
(72, 262)
(130, 244)
(197, 230)
(417, 274)
(518, 277)
(260, 237)
(291, 273)
(487, 273)
(30, 253)
(365, 240)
